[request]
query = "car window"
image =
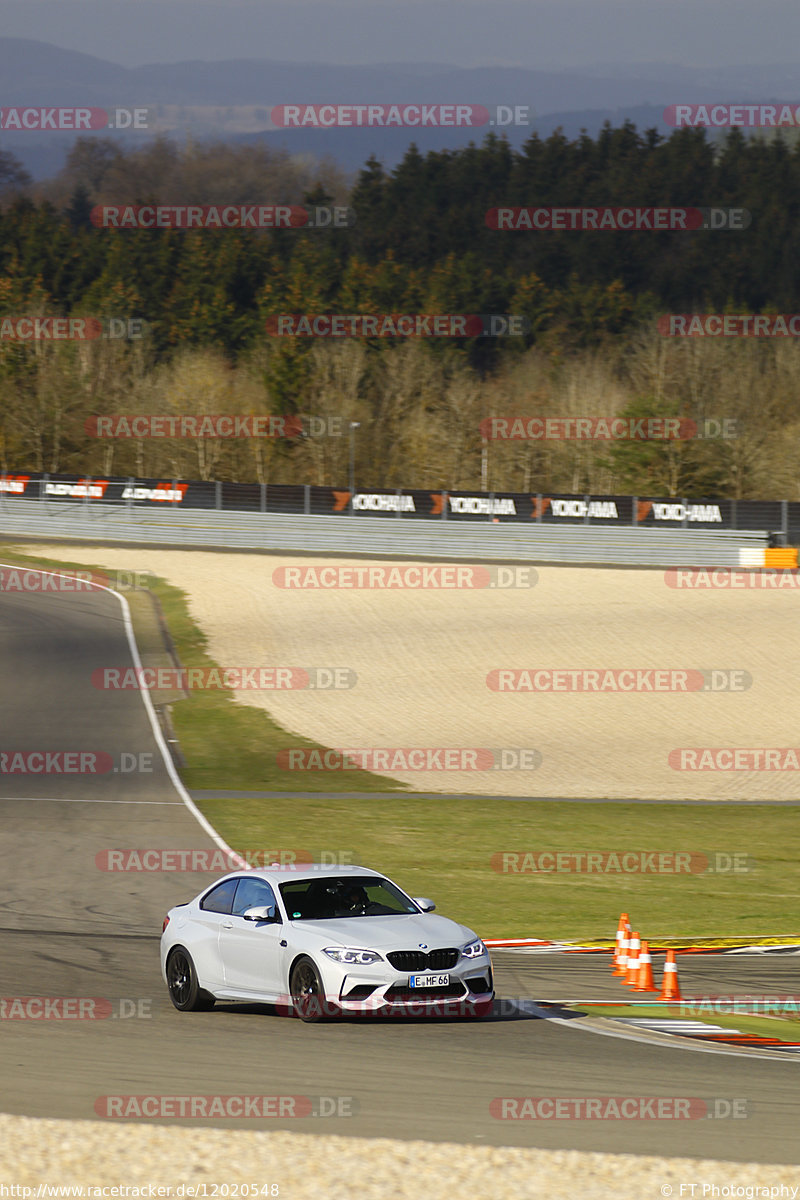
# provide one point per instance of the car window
(344, 896)
(252, 893)
(220, 898)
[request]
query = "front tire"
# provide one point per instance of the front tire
(184, 988)
(308, 997)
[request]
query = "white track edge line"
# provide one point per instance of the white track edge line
(672, 1041)
(151, 714)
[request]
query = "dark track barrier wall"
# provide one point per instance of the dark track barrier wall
(780, 518)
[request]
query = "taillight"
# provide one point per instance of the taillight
(166, 923)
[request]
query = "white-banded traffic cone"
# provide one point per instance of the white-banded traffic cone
(632, 972)
(645, 981)
(670, 988)
(621, 954)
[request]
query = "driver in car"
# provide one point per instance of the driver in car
(351, 901)
(357, 903)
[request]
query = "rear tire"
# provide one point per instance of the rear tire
(184, 989)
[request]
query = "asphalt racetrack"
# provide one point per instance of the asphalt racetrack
(71, 929)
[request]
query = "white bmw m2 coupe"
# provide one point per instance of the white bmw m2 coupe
(320, 942)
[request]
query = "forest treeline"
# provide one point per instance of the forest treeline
(420, 244)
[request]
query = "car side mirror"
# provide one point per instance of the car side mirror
(267, 912)
(425, 904)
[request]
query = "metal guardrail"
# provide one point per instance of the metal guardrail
(460, 541)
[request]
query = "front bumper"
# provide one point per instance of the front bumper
(471, 988)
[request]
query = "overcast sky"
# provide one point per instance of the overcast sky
(553, 34)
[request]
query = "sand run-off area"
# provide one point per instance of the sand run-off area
(422, 656)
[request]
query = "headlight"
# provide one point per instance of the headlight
(356, 958)
(474, 949)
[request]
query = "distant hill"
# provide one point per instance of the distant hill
(233, 99)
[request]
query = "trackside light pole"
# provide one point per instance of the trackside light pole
(354, 425)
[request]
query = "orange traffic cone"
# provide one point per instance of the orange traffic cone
(632, 972)
(669, 986)
(645, 982)
(620, 962)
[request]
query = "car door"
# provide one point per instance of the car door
(214, 908)
(251, 951)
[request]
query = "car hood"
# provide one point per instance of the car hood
(389, 933)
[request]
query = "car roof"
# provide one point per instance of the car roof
(280, 874)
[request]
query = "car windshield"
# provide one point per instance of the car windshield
(347, 896)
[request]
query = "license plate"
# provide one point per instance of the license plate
(428, 981)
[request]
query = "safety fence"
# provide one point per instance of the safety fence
(515, 526)
(780, 518)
